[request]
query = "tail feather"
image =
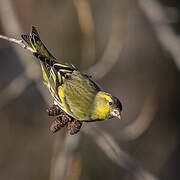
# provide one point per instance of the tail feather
(53, 72)
(27, 39)
(34, 41)
(35, 32)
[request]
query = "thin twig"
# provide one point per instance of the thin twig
(155, 12)
(18, 42)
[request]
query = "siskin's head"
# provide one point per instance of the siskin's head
(106, 106)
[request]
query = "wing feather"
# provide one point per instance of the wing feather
(80, 93)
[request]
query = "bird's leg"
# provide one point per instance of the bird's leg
(54, 110)
(60, 122)
(74, 126)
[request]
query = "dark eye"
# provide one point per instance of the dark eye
(110, 103)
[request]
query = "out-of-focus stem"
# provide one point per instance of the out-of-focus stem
(164, 32)
(87, 28)
(111, 148)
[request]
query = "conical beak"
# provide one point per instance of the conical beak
(116, 113)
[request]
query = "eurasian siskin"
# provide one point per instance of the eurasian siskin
(75, 93)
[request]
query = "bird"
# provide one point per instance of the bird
(73, 92)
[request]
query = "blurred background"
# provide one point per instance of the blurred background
(132, 49)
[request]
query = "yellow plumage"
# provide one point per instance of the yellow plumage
(75, 93)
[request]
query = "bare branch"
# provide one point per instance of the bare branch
(18, 42)
(164, 32)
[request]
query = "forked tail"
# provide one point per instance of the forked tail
(34, 41)
(52, 70)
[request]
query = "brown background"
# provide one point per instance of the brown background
(145, 78)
